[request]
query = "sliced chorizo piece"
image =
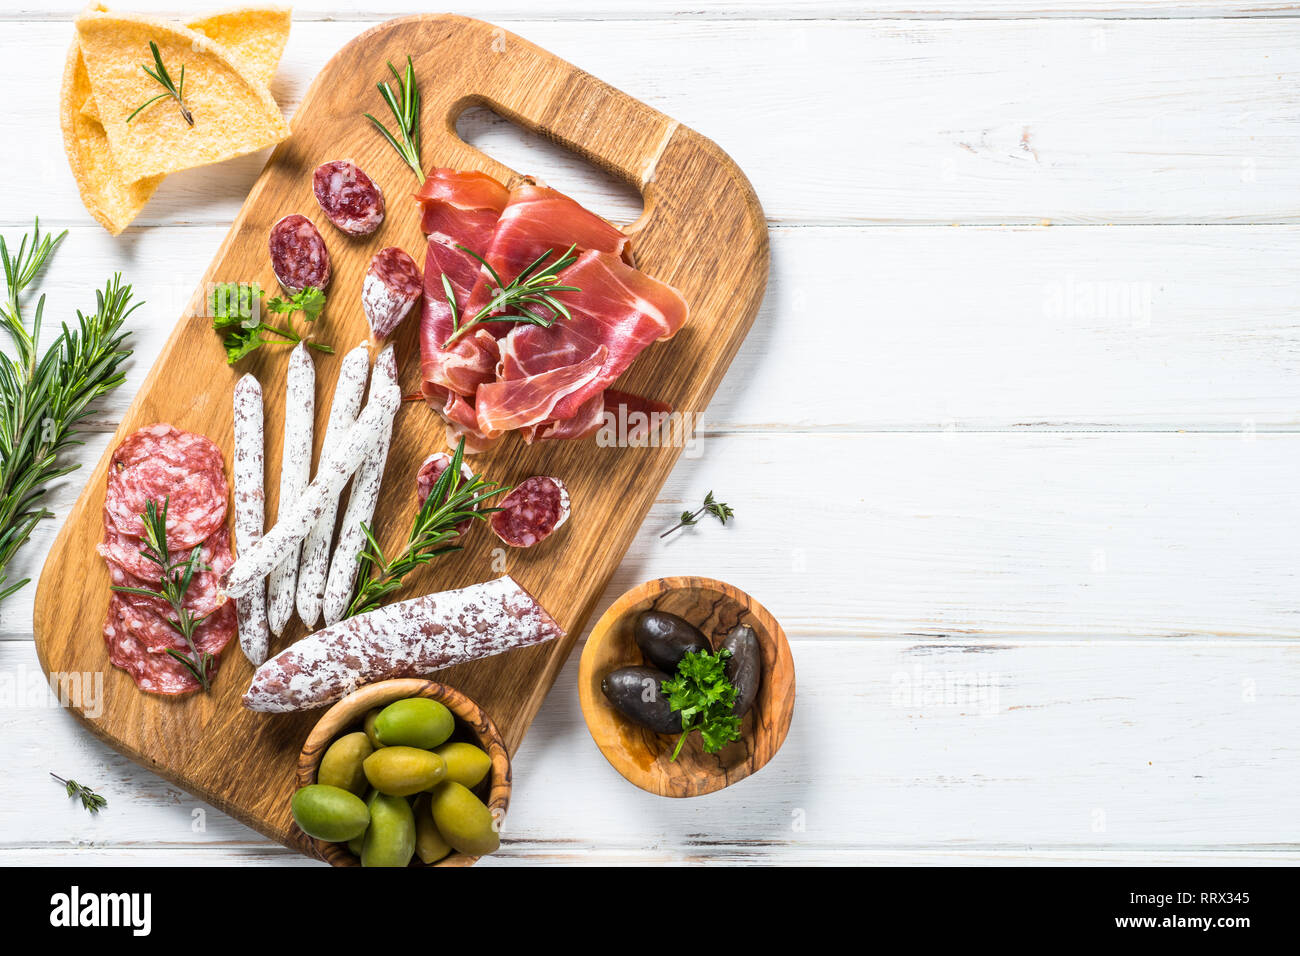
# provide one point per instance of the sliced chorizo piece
(392, 286)
(298, 254)
(349, 198)
(431, 470)
(533, 511)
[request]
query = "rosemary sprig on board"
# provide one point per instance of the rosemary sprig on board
(405, 106)
(175, 90)
(91, 800)
(176, 578)
(535, 286)
(719, 509)
(451, 500)
(43, 398)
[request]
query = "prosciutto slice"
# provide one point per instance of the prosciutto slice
(547, 382)
(616, 315)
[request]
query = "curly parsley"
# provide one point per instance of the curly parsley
(701, 692)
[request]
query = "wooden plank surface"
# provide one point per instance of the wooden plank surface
(958, 340)
(980, 121)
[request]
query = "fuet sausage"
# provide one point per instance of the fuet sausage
(314, 566)
(408, 638)
(336, 466)
(350, 198)
(391, 288)
(299, 256)
(361, 503)
(250, 512)
(295, 475)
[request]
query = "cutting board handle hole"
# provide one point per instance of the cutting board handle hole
(551, 163)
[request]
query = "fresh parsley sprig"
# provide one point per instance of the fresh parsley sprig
(45, 397)
(176, 578)
(175, 90)
(405, 107)
(91, 800)
(719, 509)
(701, 692)
(452, 500)
(534, 287)
(236, 309)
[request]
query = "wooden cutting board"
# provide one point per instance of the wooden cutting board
(702, 230)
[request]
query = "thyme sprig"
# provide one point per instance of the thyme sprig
(45, 397)
(91, 800)
(405, 106)
(452, 500)
(534, 287)
(164, 79)
(719, 509)
(176, 578)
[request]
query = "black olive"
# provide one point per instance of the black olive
(744, 668)
(636, 693)
(666, 638)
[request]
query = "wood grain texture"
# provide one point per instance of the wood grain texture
(702, 231)
(473, 725)
(644, 757)
(981, 121)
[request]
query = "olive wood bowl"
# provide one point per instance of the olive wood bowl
(472, 726)
(641, 755)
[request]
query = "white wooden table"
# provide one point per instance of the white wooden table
(1013, 443)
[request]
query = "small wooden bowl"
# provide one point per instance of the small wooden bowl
(641, 755)
(472, 725)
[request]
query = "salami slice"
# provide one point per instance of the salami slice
(161, 463)
(392, 286)
(431, 470)
(533, 511)
(348, 197)
(155, 673)
(298, 254)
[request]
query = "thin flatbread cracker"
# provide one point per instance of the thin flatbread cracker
(253, 36)
(111, 201)
(233, 114)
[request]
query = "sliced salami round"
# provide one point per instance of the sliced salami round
(431, 470)
(298, 254)
(162, 463)
(532, 512)
(126, 561)
(392, 286)
(138, 639)
(348, 197)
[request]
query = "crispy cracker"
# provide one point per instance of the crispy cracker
(233, 113)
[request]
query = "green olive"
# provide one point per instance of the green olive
(390, 838)
(463, 820)
(329, 813)
(466, 764)
(430, 847)
(414, 722)
(369, 725)
(355, 845)
(341, 765)
(402, 771)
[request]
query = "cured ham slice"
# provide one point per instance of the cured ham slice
(547, 382)
(617, 313)
(537, 220)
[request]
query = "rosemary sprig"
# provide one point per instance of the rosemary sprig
(44, 398)
(176, 577)
(91, 800)
(535, 286)
(719, 509)
(405, 107)
(451, 500)
(236, 311)
(175, 90)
